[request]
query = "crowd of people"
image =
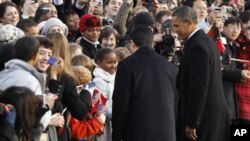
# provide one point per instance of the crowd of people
(123, 70)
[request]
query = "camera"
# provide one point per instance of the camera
(107, 22)
(228, 11)
(168, 39)
(167, 47)
(45, 10)
(168, 43)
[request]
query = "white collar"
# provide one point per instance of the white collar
(95, 43)
(193, 33)
(99, 72)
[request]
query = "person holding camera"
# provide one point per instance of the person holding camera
(163, 42)
(44, 12)
(160, 17)
(170, 46)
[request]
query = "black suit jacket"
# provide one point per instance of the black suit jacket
(202, 103)
(143, 98)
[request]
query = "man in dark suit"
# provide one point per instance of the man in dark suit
(203, 114)
(143, 98)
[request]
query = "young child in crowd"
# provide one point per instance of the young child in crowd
(121, 53)
(104, 76)
(93, 125)
(28, 26)
(82, 60)
(74, 50)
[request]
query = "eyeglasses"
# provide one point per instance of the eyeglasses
(94, 30)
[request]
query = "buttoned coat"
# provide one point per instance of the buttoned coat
(202, 102)
(143, 98)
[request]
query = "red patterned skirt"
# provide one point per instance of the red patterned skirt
(243, 98)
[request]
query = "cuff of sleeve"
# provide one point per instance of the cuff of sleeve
(85, 96)
(45, 119)
(58, 2)
(55, 86)
(25, 16)
(194, 123)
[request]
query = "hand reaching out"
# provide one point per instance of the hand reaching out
(57, 120)
(101, 118)
(245, 74)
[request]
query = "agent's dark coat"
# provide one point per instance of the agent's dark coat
(143, 98)
(202, 103)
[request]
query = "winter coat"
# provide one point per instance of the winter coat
(143, 98)
(89, 48)
(20, 73)
(77, 105)
(230, 76)
(202, 104)
(105, 83)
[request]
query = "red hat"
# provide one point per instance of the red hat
(89, 21)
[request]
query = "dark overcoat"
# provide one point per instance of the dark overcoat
(230, 76)
(202, 103)
(143, 98)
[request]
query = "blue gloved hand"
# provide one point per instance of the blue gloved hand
(10, 116)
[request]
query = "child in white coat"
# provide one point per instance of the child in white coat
(104, 77)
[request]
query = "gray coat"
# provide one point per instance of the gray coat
(20, 73)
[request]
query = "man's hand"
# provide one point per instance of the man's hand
(191, 133)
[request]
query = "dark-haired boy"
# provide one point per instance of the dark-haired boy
(28, 26)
